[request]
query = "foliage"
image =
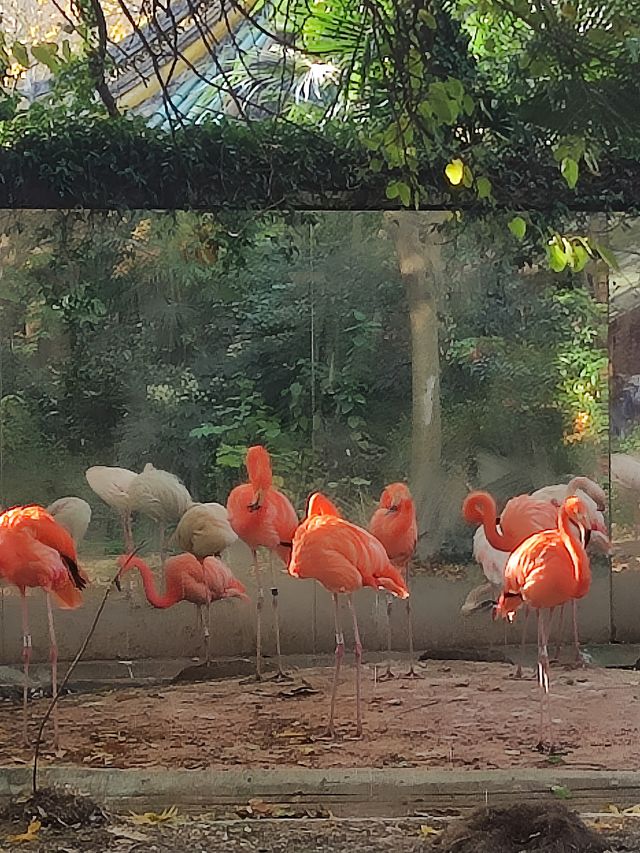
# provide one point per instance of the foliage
(465, 104)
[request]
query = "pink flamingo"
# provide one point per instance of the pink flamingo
(188, 579)
(263, 517)
(25, 561)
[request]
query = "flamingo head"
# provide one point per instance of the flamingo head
(319, 504)
(578, 511)
(395, 496)
(477, 506)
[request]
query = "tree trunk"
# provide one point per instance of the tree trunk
(419, 253)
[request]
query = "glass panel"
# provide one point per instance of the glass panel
(362, 350)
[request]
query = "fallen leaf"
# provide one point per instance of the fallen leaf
(426, 829)
(30, 835)
(153, 818)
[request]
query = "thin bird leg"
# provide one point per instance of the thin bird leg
(523, 642)
(127, 532)
(388, 674)
(338, 662)
(259, 605)
(26, 657)
(280, 675)
(53, 654)
(576, 639)
(411, 672)
(206, 630)
(560, 628)
(163, 544)
(358, 656)
(543, 682)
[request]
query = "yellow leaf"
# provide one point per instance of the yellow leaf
(425, 829)
(455, 172)
(30, 835)
(153, 817)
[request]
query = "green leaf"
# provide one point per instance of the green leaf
(20, 54)
(455, 172)
(518, 227)
(570, 171)
(392, 190)
(467, 177)
(607, 256)
(557, 257)
(404, 191)
(580, 258)
(483, 187)
(561, 792)
(46, 53)
(427, 19)
(375, 165)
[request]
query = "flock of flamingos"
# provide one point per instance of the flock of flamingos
(534, 555)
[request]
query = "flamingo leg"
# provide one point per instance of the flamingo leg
(53, 655)
(338, 662)
(412, 671)
(388, 674)
(162, 542)
(206, 630)
(259, 606)
(523, 643)
(26, 657)
(560, 627)
(358, 657)
(543, 681)
(576, 639)
(280, 675)
(127, 532)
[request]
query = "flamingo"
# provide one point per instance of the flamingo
(161, 497)
(204, 530)
(263, 517)
(111, 484)
(394, 524)
(188, 579)
(343, 558)
(547, 570)
(73, 514)
(521, 517)
(35, 551)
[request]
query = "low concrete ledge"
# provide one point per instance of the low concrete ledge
(389, 792)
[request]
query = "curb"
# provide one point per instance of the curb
(361, 792)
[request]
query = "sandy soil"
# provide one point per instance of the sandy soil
(459, 715)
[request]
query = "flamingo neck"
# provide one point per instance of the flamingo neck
(571, 538)
(150, 590)
(495, 537)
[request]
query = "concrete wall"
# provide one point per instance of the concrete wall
(130, 628)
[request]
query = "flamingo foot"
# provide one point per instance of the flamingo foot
(412, 675)
(281, 676)
(388, 675)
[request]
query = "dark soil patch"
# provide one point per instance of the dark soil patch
(521, 828)
(56, 809)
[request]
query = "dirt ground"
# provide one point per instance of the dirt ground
(203, 833)
(458, 715)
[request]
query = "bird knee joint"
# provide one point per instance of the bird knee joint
(274, 591)
(26, 641)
